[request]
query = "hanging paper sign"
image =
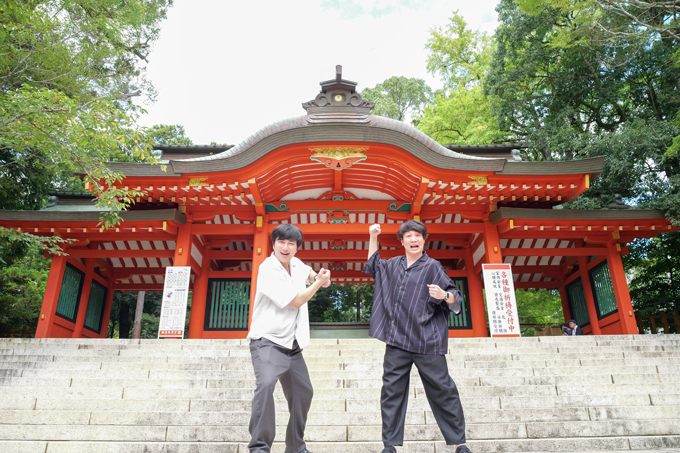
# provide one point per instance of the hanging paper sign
(500, 300)
(174, 307)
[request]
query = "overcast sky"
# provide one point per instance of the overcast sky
(224, 69)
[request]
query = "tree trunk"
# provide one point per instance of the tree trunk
(139, 310)
(124, 321)
(358, 305)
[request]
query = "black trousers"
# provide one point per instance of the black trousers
(273, 363)
(441, 392)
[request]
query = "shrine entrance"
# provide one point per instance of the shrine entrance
(333, 172)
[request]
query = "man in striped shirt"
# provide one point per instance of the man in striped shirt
(412, 300)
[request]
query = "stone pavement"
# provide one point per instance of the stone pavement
(535, 394)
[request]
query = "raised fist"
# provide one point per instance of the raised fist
(374, 230)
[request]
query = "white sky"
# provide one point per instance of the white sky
(224, 68)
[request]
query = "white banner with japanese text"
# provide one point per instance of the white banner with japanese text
(500, 300)
(175, 297)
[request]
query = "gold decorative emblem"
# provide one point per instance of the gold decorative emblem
(339, 157)
(479, 180)
(197, 182)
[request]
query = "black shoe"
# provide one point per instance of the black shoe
(463, 449)
(389, 450)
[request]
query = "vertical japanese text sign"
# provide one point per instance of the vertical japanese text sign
(500, 300)
(174, 307)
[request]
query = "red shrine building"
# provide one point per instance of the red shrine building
(333, 172)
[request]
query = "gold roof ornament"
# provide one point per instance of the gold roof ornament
(339, 157)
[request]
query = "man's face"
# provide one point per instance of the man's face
(413, 243)
(285, 250)
(572, 325)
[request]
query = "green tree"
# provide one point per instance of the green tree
(22, 285)
(655, 270)
(541, 307)
(574, 81)
(164, 134)
(123, 314)
(338, 303)
(398, 97)
(461, 113)
(70, 72)
(590, 97)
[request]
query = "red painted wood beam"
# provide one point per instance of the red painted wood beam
(589, 251)
(537, 285)
(335, 255)
(227, 230)
(127, 272)
(388, 229)
(121, 253)
(139, 286)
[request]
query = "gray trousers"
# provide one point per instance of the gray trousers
(441, 392)
(273, 363)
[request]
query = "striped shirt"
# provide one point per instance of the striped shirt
(404, 315)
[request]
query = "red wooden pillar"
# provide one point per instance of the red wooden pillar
(260, 248)
(84, 298)
(51, 298)
(492, 243)
(479, 320)
(107, 309)
(564, 299)
(623, 302)
(183, 246)
(199, 298)
(588, 292)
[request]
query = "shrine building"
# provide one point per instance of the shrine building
(333, 172)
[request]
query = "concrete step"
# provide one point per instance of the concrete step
(330, 433)
(531, 394)
(177, 413)
(594, 445)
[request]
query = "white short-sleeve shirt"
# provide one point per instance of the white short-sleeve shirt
(273, 316)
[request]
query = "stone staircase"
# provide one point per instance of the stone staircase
(538, 394)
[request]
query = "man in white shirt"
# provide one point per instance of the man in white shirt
(278, 332)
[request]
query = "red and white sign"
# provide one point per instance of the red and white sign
(175, 297)
(500, 300)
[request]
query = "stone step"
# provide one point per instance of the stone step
(321, 416)
(376, 350)
(614, 393)
(619, 384)
(174, 402)
(313, 364)
(214, 401)
(326, 433)
(592, 445)
(320, 363)
(351, 378)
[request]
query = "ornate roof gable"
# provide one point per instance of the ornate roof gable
(338, 101)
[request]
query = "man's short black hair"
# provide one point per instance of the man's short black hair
(287, 232)
(412, 225)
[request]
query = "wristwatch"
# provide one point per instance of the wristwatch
(446, 296)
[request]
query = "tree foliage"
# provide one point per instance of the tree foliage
(461, 113)
(168, 134)
(22, 285)
(577, 79)
(398, 97)
(573, 91)
(655, 269)
(339, 303)
(70, 71)
(541, 307)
